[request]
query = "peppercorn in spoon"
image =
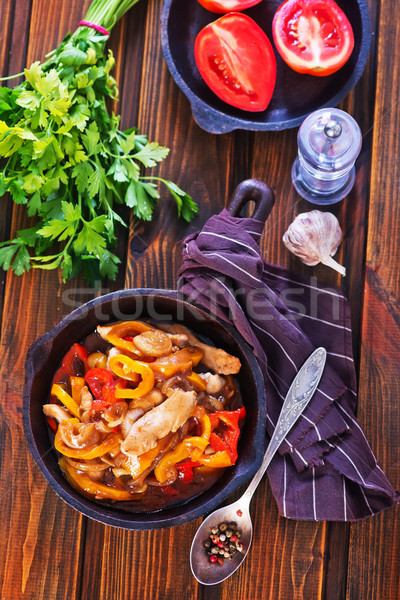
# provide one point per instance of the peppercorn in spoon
(224, 538)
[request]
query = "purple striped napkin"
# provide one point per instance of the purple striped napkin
(325, 469)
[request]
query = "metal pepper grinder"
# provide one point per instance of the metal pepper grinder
(329, 142)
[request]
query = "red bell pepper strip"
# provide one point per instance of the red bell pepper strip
(97, 378)
(226, 426)
(73, 363)
(169, 490)
(217, 443)
(185, 470)
(102, 386)
(52, 423)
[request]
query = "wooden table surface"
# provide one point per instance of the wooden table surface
(49, 551)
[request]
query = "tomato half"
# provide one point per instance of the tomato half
(225, 6)
(237, 62)
(313, 36)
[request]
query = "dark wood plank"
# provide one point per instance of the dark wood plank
(164, 115)
(156, 563)
(286, 559)
(15, 18)
(41, 536)
(374, 571)
(148, 564)
(352, 215)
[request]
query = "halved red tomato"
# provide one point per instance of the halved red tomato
(237, 62)
(225, 6)
(313, 36)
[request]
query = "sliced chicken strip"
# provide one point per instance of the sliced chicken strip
(214, 383)
(103, 330)
(158, 422)
(86, 398)
(149, 401)
(56, 412)
(214, 358)
(132, 415)
(179, 339)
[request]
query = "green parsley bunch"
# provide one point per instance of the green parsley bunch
(66, 160)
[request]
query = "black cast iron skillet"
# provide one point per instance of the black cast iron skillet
(46, 353)
(295, 96)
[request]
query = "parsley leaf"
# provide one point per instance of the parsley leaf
(151, 154)
(68, 162)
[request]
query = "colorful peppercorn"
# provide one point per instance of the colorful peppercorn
(223, 543)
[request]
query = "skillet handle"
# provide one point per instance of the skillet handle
(252, 190)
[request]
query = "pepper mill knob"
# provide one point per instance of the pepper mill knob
(329, 142)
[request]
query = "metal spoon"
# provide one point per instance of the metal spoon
(300, 393)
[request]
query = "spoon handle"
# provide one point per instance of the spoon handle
(299, 395)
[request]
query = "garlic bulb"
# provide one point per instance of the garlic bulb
(314, 237)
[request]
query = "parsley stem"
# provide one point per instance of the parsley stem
(91, 209)
(11, 76)
(152, 178)
(107, 12)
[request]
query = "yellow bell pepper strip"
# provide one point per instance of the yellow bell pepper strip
(66, 399)
(190, 447)
(216, 460)
(125, 367)
(82, 482)
(136, 465)
(123, 330)
(111, 442)
(76, 384)
(197, 382)
(177, 362)
(205, 426)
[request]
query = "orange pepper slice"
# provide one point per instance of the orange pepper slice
(206, 426)
(197, 381)
(76, 384)
(127, 328)
(112, 441)
(126, 368)
(83, 483)
(190, 447)
(178, 362)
